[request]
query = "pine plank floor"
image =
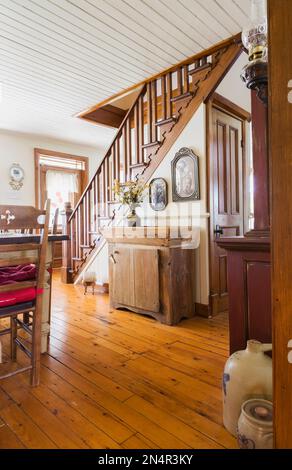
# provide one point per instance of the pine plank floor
(119, 380)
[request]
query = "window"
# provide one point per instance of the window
(59, 177)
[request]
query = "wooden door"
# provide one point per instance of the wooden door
(146, 279)
(123, 276)
(135, 278)
(226, 197)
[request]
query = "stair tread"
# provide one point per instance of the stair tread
(151, 144)
(198, 69)
(165, 121)
(189, 94)
(138, 165)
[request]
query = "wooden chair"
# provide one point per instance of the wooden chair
(28, 294)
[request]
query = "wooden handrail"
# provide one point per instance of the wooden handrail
(206, 52)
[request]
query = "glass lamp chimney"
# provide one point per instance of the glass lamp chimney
(254, 36)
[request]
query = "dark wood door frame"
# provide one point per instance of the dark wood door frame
(223, 104)
(280, 149)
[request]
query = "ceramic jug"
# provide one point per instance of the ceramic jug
(247, 374)
(255, 425)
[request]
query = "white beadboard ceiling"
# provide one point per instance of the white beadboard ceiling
(58, 57)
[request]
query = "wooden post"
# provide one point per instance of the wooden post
(260, 168)
(66, 274)
(280, 146)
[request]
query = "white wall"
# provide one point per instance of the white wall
(188, 213)
(19, 148)
(233, 88)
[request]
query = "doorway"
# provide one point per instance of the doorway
(227, 188)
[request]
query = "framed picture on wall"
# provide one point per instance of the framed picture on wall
(185, 176)
(158, 194)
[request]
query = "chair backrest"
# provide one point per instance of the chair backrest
(21, 218)
(25, 219)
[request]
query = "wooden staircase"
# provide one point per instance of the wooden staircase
(161, 111)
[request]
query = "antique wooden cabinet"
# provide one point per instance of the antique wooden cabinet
(150, 273)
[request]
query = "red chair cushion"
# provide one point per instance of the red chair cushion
(18, 296)
(11, 274)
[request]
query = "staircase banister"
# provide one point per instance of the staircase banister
(118, 134)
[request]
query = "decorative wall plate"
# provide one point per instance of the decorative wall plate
(16, 174)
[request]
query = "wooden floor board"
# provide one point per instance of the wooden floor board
(115, 379)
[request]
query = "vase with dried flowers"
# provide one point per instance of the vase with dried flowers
(130, 193)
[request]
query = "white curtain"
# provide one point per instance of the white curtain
(61, 187)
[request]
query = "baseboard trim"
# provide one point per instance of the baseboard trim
(203, 310)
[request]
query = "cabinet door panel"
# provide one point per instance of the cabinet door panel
(123, 278)
(146, 279)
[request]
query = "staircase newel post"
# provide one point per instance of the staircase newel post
(66, 270)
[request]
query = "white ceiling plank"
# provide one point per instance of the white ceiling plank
(146, 27)
(173, 33)
(191, 38)
(95, 36)
(206, 11)
(63, 51)
(78, 80)
(36, 64)
(77, 36)
(119, 27)
(233, 10)
(13, 70)
(51, 63)
(17, 99)
(44, 91)
(245, 6)
(194, 24)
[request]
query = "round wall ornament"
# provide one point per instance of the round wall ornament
(16, 174)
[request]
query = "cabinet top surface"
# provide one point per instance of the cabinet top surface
(152, 235)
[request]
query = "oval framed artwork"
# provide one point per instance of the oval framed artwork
(158, 194)
(185, 176)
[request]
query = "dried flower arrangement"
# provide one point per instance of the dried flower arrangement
(130, 192)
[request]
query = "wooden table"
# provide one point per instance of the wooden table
(10, 239)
